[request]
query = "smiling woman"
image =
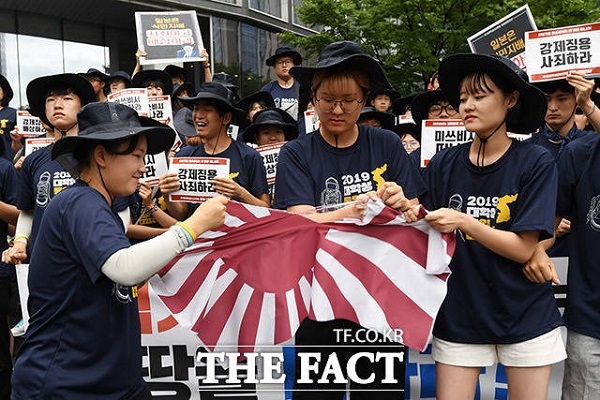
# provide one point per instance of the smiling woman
(25, 58)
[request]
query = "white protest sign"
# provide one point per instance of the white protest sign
(553, 53)
(136, 98)
(28, 125)
(160, 109)
(233, 131)
(404, 119)
(269, 154)
(35, 144)
(311, 121)
(156, 166)
(195, 177)
(438, 134)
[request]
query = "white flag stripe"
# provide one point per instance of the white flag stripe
(183, 268)
(265, 333)
(232, 221)
(290, 298)
(320, 304)
(404, 272)
(368, 311)
(220, 285)
(258, 212)
(305, 290)
(231, 330)
(437, 254)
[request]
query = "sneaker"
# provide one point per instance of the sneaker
(18, 329)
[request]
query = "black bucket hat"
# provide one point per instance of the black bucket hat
(94, 72)
(107, 121)
(39, 87)
(261, 97)
(175, 71)
(210, 91)
(178, 88)
(272, 116)
(419, 108)
(284, 51)
(408, 127)
(121, 75)
(399, 106)
(184, 125)
(386, 120)
(455, 67)
(391, 93)
(140, 79)
(7, 89)
(225, 79)
(344, 54)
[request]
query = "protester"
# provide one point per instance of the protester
(55, 99)
(410, 135)
(499, 195)
(382, 100)
(270, 126)
(315, 171)
(212, 113)
(254, 103)
(99, 80)
(8, 118)
(119, 80)
(377, 119)
(80, 278)
(157, 82)
(179, 75)
(284, 89)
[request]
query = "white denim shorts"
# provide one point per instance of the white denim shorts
(542, 350)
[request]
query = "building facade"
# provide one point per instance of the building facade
(42, 37)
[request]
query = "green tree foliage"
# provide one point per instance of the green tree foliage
(409, 37)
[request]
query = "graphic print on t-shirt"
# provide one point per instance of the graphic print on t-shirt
(593, 216)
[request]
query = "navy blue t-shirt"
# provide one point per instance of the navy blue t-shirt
(40, 179)
(579, 201)
(8, 120)
(311, 171)
(84, 338)
(284, 98)
(489, 299)
(245, 165)
(8, 194)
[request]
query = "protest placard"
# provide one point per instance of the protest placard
(160, 109)
(28, 125)
(35, 144)
(438, 134)
(270, 154)
(553, 53)
(169, 36)
(505, 37)
(156, 166)
(311, 121)
(195, 177)
(136, 98)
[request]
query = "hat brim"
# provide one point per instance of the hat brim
(294, 54)
(153, 75)
(266, 97)
(176, 71)
(190, 101)
(159, 138)
(386, 120)
(419, 108)
(377, 78)
(408, 127)
(184, 124)
(37, 89)
(290, 131)
(455, 67)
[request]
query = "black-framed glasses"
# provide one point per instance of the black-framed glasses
(348, 106)
(436, 110)
(284, 62)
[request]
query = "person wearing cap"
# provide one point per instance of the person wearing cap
(157, 82)
(284, 89)
(410, 135)
(369, 115)
(335, 168)
(185, 89)
(119, 80)
(270, 126)
(55, 99)
(499, 196)
(98, 79)
(254, 103)
(84, 335)
(212, 111)
(382, 100)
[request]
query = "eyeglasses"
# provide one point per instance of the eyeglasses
(436, 109)
(347, 105)
(284, 62)
(413, 144)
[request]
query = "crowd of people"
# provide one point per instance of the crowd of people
(92, 232)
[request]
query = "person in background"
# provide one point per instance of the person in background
(284, 89)
(378, 119)
(270, 126)
(382, 101)
(8, 118)
(83, 270)
(119, 80)
(99, 81)
(410, 134)
(157, 82)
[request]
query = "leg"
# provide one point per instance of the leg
(528, 383)
(582, 368)
(455, 383)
